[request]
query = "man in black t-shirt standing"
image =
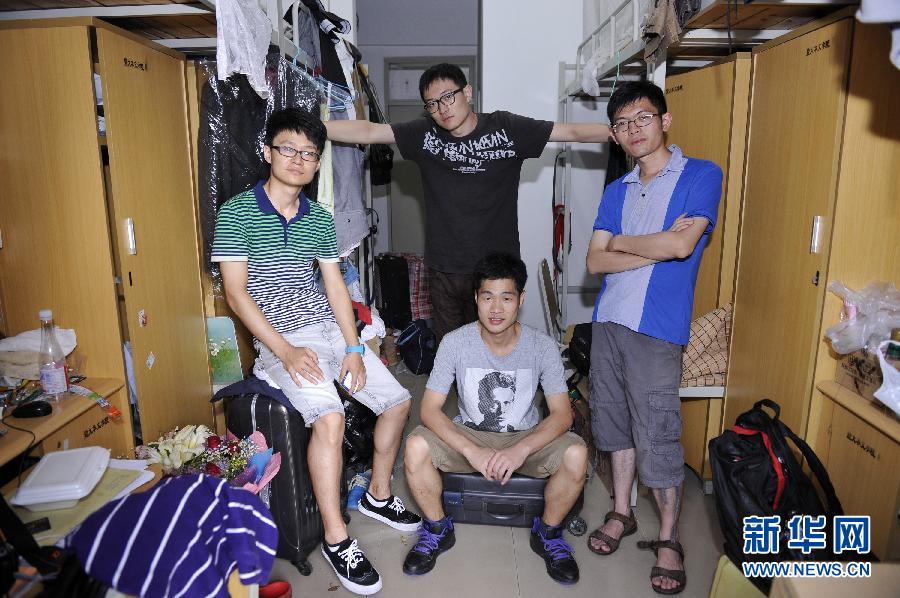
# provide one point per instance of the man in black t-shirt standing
(470, 164)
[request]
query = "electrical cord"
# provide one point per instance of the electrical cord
(32, 444)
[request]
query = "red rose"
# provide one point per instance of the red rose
(213, 469)
(234, 447)
(213, 442)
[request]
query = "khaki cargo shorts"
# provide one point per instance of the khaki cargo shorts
(541, 464)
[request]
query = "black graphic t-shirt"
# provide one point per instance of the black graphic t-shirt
(471, 184)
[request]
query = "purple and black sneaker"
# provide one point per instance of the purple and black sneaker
(549, 544)
(434, 538)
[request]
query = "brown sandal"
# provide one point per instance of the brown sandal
(679, 577)
(613, 543)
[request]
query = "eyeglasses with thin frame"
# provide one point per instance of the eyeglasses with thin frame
(292, 152)
(447, 99)
(641, 120)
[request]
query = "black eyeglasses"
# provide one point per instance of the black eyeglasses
(290, 152)
(447, 99)
(642, 120)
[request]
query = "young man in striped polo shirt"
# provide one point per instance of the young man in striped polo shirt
(266, 240)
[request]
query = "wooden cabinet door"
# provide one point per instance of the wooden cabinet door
(796, 123)
(151, 177)
(862, 464)
(701, 106)
(56, 249)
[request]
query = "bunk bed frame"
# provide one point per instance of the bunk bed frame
(705, 39)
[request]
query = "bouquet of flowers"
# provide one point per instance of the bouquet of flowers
(247, 463)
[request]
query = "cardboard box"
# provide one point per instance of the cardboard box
(860, 372)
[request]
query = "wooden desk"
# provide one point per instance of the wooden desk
(75, 422)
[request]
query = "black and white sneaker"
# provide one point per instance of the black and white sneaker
(390, 511)
(353, 569)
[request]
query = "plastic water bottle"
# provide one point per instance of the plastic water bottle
(54, 378)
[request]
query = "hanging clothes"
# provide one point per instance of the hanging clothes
(349, 204)
(380, 156)
(662, 30)
(308, 37)
(329, 23)
(348, 66)
(325, 186)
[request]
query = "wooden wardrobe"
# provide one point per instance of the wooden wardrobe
(821, 203)
(103, 228)
(709, 108)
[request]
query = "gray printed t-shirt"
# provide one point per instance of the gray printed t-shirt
(497, 394)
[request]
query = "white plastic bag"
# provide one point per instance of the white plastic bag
(243, 31)
(889, 393)
(871, 315)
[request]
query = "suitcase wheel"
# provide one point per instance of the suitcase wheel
(577, 526)
(302, 566)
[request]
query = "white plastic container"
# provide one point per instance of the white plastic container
(61, 479)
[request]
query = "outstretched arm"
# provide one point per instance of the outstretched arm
(359, 131)
(580, 132)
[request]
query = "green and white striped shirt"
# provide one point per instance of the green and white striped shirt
(279, 255)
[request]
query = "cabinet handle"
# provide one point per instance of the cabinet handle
(815, 240)
(130, 242)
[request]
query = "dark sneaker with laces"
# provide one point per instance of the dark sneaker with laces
(556, 552)
(424, 554)
(393, 513)
(353, 569)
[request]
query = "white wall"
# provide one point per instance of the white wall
(520, 72)
(588, 176)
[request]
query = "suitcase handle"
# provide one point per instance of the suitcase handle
(504, 514)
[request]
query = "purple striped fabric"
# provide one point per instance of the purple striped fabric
(183, 537)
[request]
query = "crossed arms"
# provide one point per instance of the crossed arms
(608, 253)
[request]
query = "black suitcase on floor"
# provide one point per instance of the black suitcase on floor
(472, 498)
(290, 494)
(393, 285)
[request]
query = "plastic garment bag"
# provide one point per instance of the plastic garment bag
(243, 32)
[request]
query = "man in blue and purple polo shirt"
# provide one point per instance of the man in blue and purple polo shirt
(651, 228)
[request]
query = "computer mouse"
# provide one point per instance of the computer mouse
(33, 409)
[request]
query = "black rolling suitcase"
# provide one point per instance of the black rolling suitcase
(393, 285)
(290, 493)
(472, 498)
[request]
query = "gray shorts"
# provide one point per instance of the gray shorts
(541, 464)
(635, 403)
(381, 392)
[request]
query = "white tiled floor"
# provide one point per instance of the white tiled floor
(497, 562)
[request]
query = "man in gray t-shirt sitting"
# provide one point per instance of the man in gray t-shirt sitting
(497, 364)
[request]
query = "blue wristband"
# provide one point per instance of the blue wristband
(361, 349)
